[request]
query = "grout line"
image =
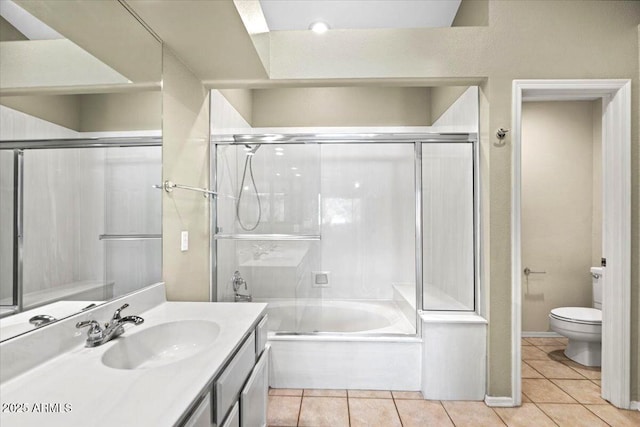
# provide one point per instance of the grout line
(498, 415)
(603, 420)
(397, 412)
(300, 409)
(348, 409)
(447, 412)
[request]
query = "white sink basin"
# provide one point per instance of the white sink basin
(161, 345)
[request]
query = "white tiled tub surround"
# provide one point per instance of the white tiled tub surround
(103, 396)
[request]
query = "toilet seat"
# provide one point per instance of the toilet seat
(583, 315)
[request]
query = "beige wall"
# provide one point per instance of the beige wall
(95, 112)
(596, 220)
(8, 32)
(442, 97)
(341, 106)
(472, 13)
(241, 100)
(185, 160)
(121, 111)
(524, 40)
(63, 110)
(557, 208)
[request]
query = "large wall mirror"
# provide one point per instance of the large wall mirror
(80, 153)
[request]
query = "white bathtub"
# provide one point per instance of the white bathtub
(359, 344)
(312, 316)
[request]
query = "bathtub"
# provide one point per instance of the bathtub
(342, 344)
(344, 317)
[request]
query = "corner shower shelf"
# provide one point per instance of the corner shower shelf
(220, 236)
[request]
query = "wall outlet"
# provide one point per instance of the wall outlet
(184, 241)
(321, 279)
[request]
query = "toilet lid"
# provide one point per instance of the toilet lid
(578, 314)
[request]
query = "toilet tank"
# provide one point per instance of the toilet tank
(596, 282)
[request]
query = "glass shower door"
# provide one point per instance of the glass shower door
(6, 231)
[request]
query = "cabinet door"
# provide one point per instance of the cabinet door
(253, 399)
(201, 417)
(229, 384)
(233, 419)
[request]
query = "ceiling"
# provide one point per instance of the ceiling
(359, 14)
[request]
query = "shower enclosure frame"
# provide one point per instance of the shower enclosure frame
(391, 138)
(18, 147)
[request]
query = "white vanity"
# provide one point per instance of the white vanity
(188, 364)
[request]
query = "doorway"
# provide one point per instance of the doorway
(615, 96)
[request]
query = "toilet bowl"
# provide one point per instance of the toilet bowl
(582, 326)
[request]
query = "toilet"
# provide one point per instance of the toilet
(582, 325)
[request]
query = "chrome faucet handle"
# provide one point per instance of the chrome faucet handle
(95, 331)
(116, 314)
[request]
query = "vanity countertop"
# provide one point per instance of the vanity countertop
(77, 389)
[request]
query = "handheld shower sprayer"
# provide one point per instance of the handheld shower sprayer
(248, 164)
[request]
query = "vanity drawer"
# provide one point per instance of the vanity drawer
(261, 336)
(228, 385)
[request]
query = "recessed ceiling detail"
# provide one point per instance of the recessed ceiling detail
(359, 14)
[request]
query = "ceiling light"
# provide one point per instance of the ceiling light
(319, 27)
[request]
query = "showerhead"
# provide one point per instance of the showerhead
(252, 150)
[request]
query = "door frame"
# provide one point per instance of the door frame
(616, 224)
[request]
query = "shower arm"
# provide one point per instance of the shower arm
(169, 186)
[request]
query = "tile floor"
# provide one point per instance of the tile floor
(555, 392)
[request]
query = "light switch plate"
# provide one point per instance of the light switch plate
(184, 241)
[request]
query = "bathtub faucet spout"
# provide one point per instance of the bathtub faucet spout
(238, 282)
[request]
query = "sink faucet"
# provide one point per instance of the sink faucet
(96, 335)
(238, 281)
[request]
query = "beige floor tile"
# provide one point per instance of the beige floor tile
(584, 391)
(616, 417)
(571, 415)
(407, 395)
(530, 352)
(373, 412)
(324, 393)
(525, 399)
(545, 341)
(377, 394)
(554, 369)
(597, 382)
(524, 342)
(593, 373)
(527, 415)
(283, 410)
(422, 413)
(285, 392)
(529, 372)
(544, 391)
(472, 414)
(324, 412)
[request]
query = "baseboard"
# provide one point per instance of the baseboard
(549, 334)
(635, 405)
(499, 401)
